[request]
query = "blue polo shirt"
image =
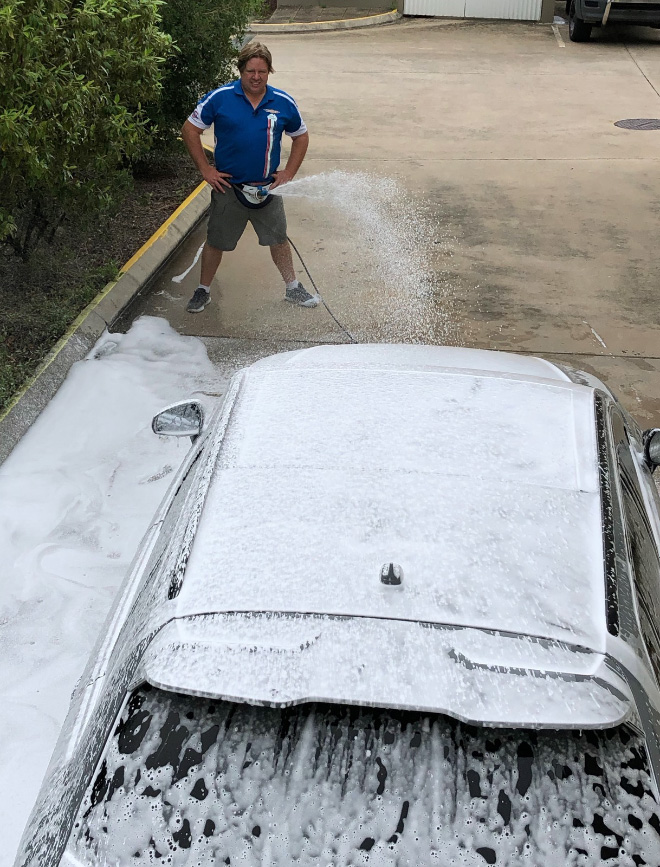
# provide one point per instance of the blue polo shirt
(247, 139)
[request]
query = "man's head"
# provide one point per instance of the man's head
(254, 64)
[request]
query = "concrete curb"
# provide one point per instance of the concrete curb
(317, 26)
(100, 314)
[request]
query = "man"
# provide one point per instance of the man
(249, 117)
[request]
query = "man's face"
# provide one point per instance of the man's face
(254, 77)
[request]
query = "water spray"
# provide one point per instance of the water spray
(415, 301)
(256, 196)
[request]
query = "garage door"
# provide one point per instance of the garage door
(522, 10)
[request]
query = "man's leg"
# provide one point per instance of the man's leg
(295, 291)
(211, 258)
(270, 225)
(283, 260)
(226, 224)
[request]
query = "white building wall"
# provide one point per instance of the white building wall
(521, 10)
(441, 8)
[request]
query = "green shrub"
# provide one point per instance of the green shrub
(205, 35)
(73, 77)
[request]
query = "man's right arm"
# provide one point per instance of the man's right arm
(192, 138)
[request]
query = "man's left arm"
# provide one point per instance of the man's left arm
(299, 147)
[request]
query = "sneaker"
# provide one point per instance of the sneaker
(299, 295)
(199, 300)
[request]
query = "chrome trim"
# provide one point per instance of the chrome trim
(181, 545)
(607, 515)
(613, 522)
(606, 14)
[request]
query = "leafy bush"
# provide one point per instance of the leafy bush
(41, 296)
(206, 34)
(73, 76)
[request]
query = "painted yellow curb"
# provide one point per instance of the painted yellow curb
(161, 231)
(336, 23)
(77, 322)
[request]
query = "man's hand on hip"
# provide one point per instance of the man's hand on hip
(281, 177)
(297, 155)
(218, 180)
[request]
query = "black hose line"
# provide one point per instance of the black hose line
(345, 330)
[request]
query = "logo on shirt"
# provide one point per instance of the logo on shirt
(270, 140)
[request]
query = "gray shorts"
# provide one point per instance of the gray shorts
(228, 219)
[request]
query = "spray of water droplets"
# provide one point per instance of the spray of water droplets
(395, 243)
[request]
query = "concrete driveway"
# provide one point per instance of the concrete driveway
(529, 222)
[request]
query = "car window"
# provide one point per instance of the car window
(191, 781)
(641, 550)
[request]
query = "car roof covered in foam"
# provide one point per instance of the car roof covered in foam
(475, 472)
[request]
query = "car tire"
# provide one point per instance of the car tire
(578, 30)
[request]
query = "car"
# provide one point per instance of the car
(398, 607)
(583, 15)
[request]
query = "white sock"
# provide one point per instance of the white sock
(292, 285)
(206, 288)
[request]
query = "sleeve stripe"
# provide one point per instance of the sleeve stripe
(286, 96)
(200, 105)
(198, 123)
(213, 93)
(301, 131)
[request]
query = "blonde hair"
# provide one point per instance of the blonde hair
(252, 50)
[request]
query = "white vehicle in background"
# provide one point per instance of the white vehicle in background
(399, 607)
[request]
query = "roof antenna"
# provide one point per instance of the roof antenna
(391, 574)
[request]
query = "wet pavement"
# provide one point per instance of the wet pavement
(544, 215)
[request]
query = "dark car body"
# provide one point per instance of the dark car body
(585, 14)
(429, 637)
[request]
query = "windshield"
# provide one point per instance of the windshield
(189, 781)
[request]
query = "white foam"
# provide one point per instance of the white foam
(76, 496)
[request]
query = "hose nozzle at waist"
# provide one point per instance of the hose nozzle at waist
(254, 195)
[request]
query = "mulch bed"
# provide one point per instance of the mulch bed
(153, 200)
(40, 299)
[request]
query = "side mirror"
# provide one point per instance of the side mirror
(652, 448)
(183, 419)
